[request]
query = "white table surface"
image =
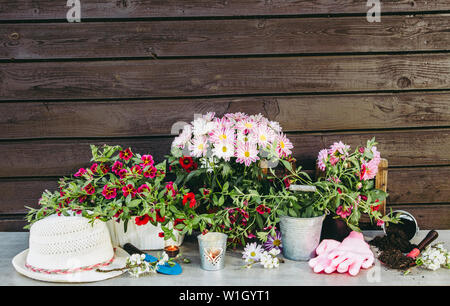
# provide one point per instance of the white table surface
(290, 273)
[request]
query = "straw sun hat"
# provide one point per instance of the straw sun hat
(69, 249)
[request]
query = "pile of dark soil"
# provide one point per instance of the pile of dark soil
(395, 259)
(393, 246)
(395, 238)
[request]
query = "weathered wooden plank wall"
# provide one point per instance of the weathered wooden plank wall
(132, 68)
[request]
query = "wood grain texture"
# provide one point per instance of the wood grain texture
(161, 117)
(18, 193)
(428, 216)
(196, 77)
(223, 37)
(419, 185)
(63, 157)
(13, 225)
(47, 9)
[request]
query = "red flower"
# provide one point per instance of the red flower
(89, 189)
(161, 234)
(189, 197)
(262, 209)
(80, 172)
(147, 160)
(118, 213)
(117, 166)
(104, 168)
(186, 162)
(129, 189)
(142, 188)
(122, 173)
(142, 220)
(82, 198)
(178, 221)
(109, 193)
(159, 218)
(136, 169)
(150, 172)
(126, 154)
(364, 198)
(287, 182)
(94, 167)
(339, 190)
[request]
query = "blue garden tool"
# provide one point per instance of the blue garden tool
(163, 269)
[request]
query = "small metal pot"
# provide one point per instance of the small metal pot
(408, 217)
(212, 247)
(300, 236)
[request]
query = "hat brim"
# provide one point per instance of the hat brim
(78, 277)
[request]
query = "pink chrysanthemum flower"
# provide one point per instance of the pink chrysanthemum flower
(369, 170)
(247, 125)
(185, 136)
(222, 135)
(322, 159)
(338, 151)
(264, 135)
(246, 153)
(284, 145)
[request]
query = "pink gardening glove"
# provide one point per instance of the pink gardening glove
(321, 262)
(351, 255)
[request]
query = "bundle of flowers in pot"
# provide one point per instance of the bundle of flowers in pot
(129, 192)
(223, 161)
(348, 183)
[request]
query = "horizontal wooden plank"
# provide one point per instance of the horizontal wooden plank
(46, 9)
(63, 157)
(428, 216)
(405, 186)
(206, 77)
(223, 37)
(419, 185)
(16, 194)
(13, 225)
(159, 117)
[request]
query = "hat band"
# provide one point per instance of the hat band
(68, 271)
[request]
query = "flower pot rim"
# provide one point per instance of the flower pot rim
(200, 236)
(290, 217)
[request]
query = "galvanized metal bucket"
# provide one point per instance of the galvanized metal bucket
(300, 236)
(212, 246)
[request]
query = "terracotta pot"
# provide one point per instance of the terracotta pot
(335, 229)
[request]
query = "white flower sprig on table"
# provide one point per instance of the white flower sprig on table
(254, 253)
(137, 266)
(434, 257)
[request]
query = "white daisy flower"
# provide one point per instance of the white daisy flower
(200, 126)
(223, 149)
(252, 252)
(246, 153)
(199, 146)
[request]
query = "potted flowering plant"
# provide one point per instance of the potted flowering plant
(224, 161)
(130, 193)
(348, 183)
